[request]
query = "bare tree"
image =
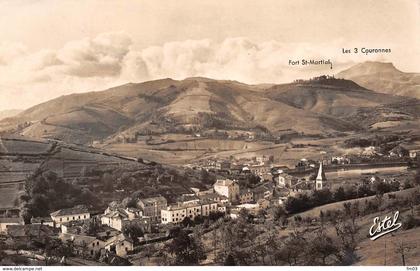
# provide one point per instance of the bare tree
(403, 250)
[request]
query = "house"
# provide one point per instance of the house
(227, 188)
(177, 213)
(120, 244)
(263, 204)
(245, 170)
(278, 169)
(246, 196)
(264, 159)
(223, 165)
(399, 151)
(7, 221)
(212, 197)
(185, 199)
(119, 218)
(253, 208)
(263, 191)
(74, 226)
(282, 200)
(285, 180)
(79, 212)
(339, 160)
(43, 221)
(90, 246)
(152, 206)
(413, 151)
(264, 172)
(87, 246)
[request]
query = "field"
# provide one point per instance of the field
(382, 251)
(18, 146)
(9, 195)
(339, 205)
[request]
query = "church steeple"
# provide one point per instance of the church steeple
(320, 182)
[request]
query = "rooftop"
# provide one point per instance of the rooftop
(11, 220)
(226, 182)
(79, 240)
(153, 199)
(79, 209)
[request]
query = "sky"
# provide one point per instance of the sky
(50, 48)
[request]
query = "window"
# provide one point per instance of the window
(84, 216)
(79, 216)
(73, 217)
(97, 243)
(68, 218)
(61, 219)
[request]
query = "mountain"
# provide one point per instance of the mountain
(9, 113)
(322, 106)
(384, 78)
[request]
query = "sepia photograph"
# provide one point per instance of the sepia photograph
(211, 133)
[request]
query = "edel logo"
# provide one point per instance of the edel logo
(382, 227)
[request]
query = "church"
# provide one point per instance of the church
(321, 180)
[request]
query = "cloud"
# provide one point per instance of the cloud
(101, 56)
(110, 59)
(10, 51)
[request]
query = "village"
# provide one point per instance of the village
(120, 231)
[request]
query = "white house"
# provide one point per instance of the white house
(177, 213)
(79, 212)
(227, 188)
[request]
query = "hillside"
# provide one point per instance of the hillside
(23, 159)
(384, 78)
(9, 113)
(316, 107)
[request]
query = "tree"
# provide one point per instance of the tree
(291, 252)
(186, 249)
(187, 222)
(320, 248)
(108, 182)
(279, 214)
(229, 261)
(403, 250)
(339, 194)
(134, 231)
(55, 248)
(321, 197)
(207, 178)
(417, 177)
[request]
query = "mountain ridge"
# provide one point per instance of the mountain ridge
(320, 106)
(383, 77)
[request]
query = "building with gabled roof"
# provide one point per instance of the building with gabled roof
(43, 220)
(79, 212)
(152, 206)
(119, 244)
(228, 188)
(6, 221)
